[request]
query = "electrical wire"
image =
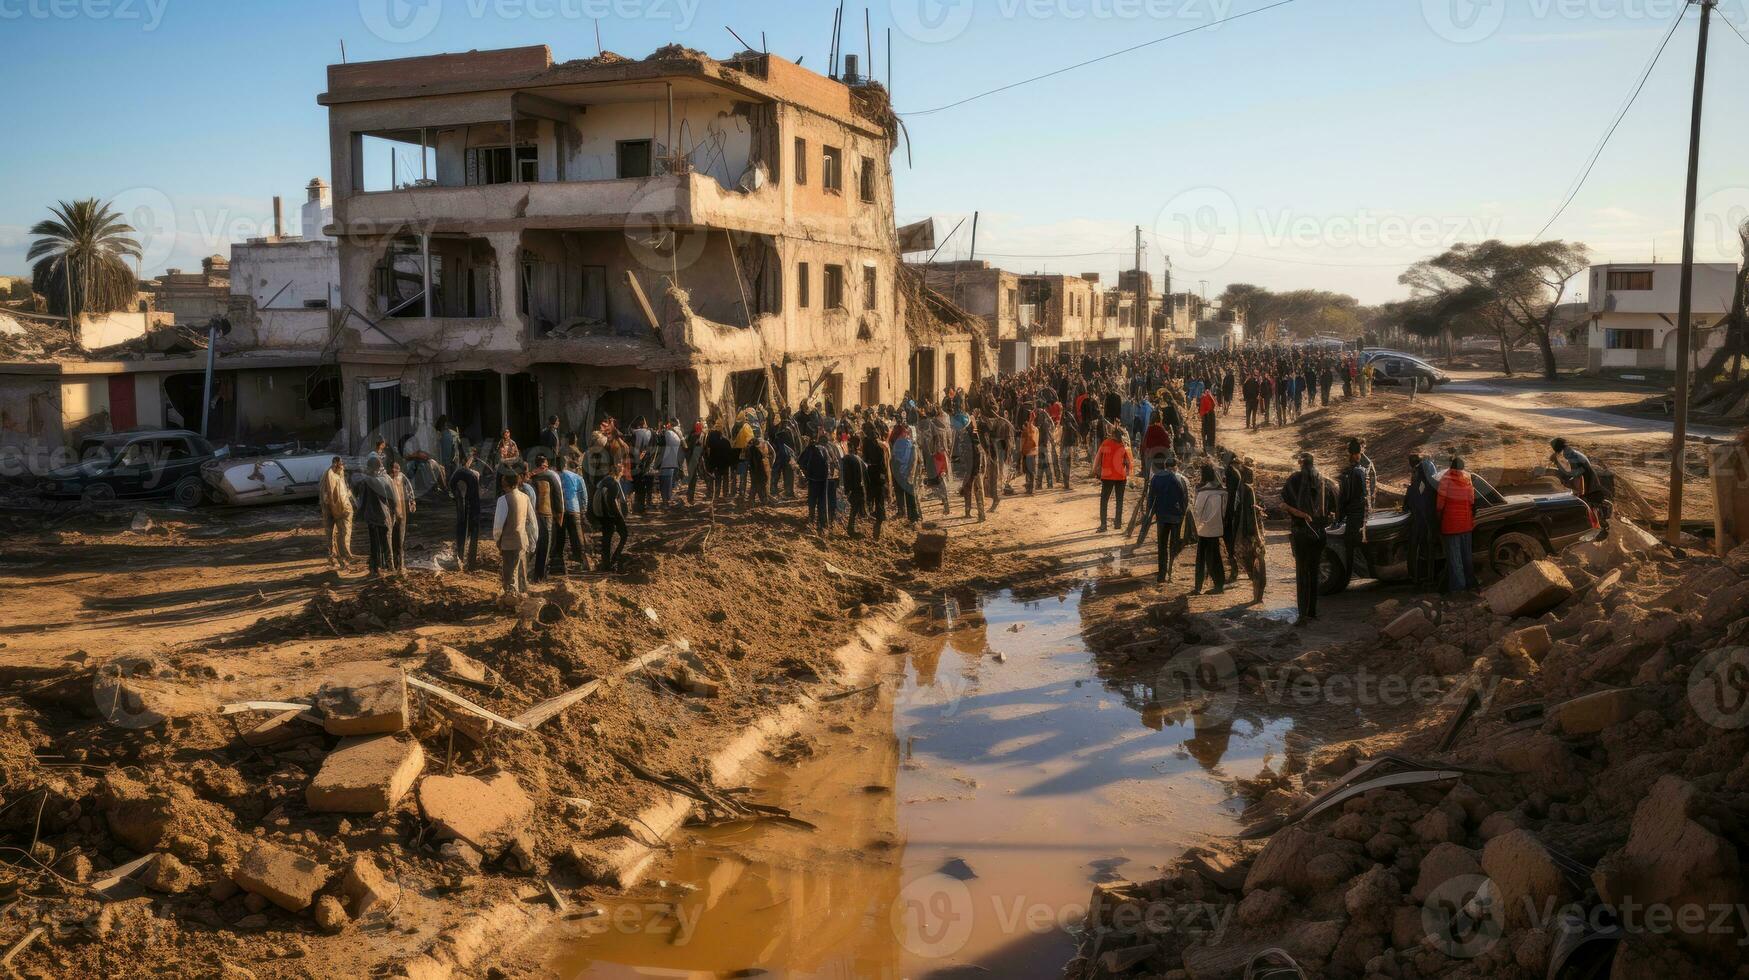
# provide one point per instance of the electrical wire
(1603, 144)
(1094, 61)
(1734, 29)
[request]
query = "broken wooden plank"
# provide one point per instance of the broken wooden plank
(243, 706)
(465, 704)
(20, 946)
(637, 289)
(118, 875)
(542, 713)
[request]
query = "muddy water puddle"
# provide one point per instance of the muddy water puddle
(962, 817)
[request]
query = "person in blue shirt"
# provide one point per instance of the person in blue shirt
(1168, 496)
(904, 463)
(576, 497)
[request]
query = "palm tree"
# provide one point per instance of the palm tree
(81, 259)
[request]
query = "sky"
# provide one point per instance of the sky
(1319, 144)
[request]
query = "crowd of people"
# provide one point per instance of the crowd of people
(1152, 420)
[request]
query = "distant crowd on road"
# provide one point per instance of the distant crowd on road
(1152, 419)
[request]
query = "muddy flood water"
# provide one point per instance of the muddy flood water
(962, 818)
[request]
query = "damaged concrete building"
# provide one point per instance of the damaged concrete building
(676, 236)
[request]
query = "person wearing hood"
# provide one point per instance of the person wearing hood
(1457, 522)
(514, 532)
(1309, 499)
(376, 501)
(1421, 503)
(464, 489)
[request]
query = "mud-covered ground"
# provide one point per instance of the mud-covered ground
(123, 638)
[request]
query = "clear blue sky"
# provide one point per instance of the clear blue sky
(1326, 143)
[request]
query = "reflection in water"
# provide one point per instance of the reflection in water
(1017, 777)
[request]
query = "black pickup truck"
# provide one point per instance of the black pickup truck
(1511, 531)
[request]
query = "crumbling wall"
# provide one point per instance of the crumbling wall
(30, 410)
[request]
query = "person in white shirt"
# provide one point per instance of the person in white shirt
(514, 531)
(1209, 511)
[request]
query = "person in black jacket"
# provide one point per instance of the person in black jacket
(376, 504)
(1421, 503)
(816, 468)
(1309, 499)
(1354, 499)
(853, 473)
(464, 488)
(720, 459)
(875, 473)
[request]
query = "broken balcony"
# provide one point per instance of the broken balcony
(603, 155)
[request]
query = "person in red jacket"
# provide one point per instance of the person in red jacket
(1115, 462)
(1457, 520)
(1205, 407)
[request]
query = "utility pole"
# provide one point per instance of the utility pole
(1685, 301)
(1141, 311)
(1166, 296)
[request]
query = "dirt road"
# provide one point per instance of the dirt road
(1011, 741)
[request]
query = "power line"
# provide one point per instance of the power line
(1733, 28)
(1103, 57)
(1609, 133)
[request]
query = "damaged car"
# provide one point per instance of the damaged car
(153, 464)
(1512, 530)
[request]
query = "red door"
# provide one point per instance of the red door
(121, 403)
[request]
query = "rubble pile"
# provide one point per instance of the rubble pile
(395, 603)
(441, 753)
(1577, 796)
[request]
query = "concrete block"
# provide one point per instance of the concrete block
(1411, 622)
(288, 880)
(486, 813)
(364, 886)
(1532, 589)
(363, 699)
(367, 774)
(1595, 712)
(1532, 641)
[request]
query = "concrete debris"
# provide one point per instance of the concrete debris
(167, 874)
(1592, 713)
(453, 664)
(1525, 876)
(284, 878)
(1413, 622)
(1538, 586)
(363, 699)
(486, 813)
(330, 915)
(367, 774)
(364, 887)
